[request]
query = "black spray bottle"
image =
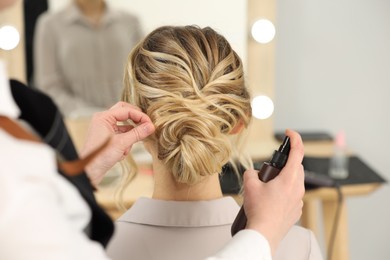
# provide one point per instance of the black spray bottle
(268, 171)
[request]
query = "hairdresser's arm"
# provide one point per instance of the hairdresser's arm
(272, 208)
(104, 125)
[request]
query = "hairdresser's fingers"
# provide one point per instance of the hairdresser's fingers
(251, 178)
(132, 133)
(128, 113)
(105, 124)
(251, 186)
(123, 111)
(136, 134)
(122, 104)
(124, 128)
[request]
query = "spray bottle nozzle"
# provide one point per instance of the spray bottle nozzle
(279, 157)
(285, 146)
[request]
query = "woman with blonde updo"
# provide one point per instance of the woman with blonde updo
(190, 82)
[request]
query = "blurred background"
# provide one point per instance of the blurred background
(332, 73)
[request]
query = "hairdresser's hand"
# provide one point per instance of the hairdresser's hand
(103, 126)
(272, 208)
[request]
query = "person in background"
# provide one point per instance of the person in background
(43, 216)
(79, 55)
(190, 82)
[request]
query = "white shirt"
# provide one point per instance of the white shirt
(42, 216)
(245, 245)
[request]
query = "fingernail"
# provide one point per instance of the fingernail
(147, 128)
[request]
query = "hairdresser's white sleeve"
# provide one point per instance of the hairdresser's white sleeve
(42, 216)
(245, 245)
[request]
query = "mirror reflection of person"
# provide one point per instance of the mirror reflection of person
(190, 82)
(79, 54)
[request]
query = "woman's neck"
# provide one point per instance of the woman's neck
(166, 188)
(92, 9)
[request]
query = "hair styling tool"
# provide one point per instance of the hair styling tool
(268, 171)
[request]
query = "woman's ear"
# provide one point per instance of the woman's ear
(238, 127)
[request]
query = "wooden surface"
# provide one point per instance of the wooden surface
(260, 71)
(15, 59)
(327, 200)
(77, 128)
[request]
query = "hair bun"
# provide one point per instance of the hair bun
(190, 142)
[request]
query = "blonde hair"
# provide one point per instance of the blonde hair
(190, 82)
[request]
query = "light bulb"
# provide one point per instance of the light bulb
(262, 107)
(263, 31)
(9, 37)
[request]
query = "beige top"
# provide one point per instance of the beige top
(156, 229)
(79, 65)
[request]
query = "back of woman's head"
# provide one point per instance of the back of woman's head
(190, 82)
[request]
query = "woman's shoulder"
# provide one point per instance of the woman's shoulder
(299, 243)
(300, 233)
